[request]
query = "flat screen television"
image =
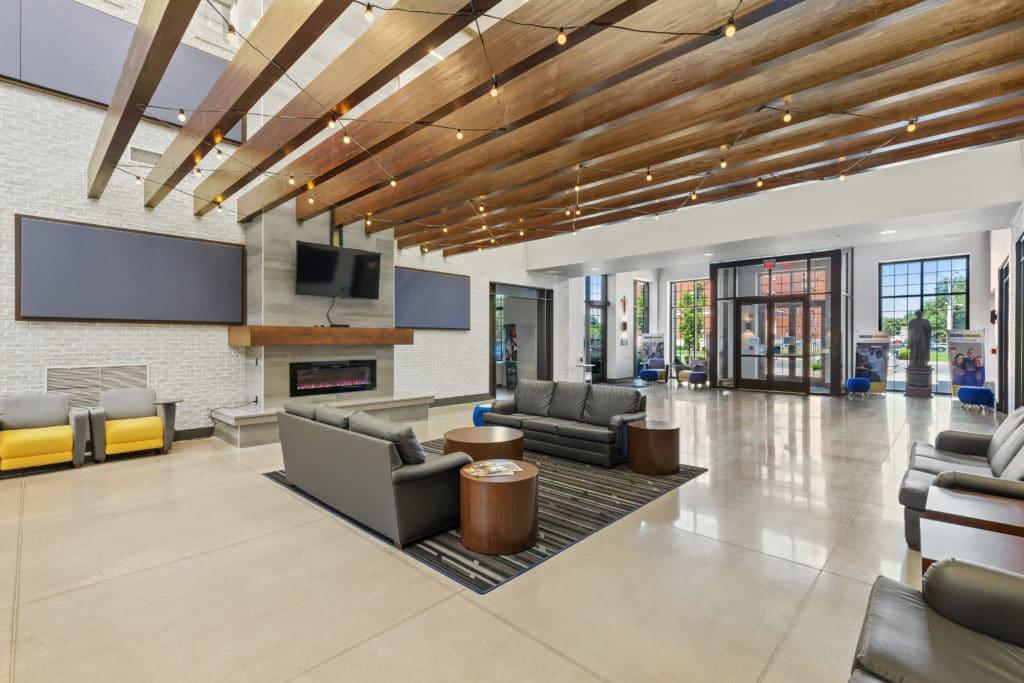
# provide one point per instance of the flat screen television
(324, 270)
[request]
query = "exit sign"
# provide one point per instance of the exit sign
(769, 263)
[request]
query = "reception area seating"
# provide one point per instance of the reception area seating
(130, 420)
(40, 429)
(571, 419)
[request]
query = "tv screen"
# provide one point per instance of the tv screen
(323, 270)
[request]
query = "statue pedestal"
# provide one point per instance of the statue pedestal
(919, 382)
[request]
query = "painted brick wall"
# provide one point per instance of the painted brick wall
(47, 142)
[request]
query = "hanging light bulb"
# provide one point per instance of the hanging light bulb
(291, 178)
(369, 222)
(574, 232)
(787, 117)
(730, 28)
(493, 240)
(445, 229)
(368, 13)
(480, 208)
(483, 215)
(760, 183)
(393, 183)
(458, 134)
(181, 115)
(138, 180)
(650, 176)
(310, 199)
(657, 217)
(842, 158)
(425, 249)
(568, 212)
(331, 123)
(842, 177)
(346, 138)
(494, 88)
(722, 163)
(911, 125)
(219, 210)
(198, 171)
(521, 233)
(693, 195)
(576, 188)
(561, 38)
(220, 154)
(232, 35)
(578, 211)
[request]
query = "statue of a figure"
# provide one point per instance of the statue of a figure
(920, 332)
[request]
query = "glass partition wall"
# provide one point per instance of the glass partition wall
(772, 322)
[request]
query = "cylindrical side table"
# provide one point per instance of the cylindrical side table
(499, 514)
(485, 443)
(653, 447)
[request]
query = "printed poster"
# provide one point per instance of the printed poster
(872, 359)
(966, 358)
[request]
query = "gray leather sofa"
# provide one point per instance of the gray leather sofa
(988, 463)
(370, 470)
(573, 420)
(964, 625)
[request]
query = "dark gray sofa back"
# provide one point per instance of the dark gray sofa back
(302, 409)
(533, 396)
(603, 402)
(569, 400)
(401, 435)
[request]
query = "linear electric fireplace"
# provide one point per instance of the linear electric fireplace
(332, 377)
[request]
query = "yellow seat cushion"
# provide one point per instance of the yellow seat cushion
(136, 434)
(20, 448)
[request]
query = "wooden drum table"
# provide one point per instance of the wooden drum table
(653, 447)
(485, 443)
(499, 514)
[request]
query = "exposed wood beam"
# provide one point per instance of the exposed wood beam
(1007, 131)
(461, 77)
(283, 34)
(393, 43)
(770, 39)
(157, 35)
(968, 56)
(580, 69)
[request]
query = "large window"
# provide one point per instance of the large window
(690, 319)
(641, 319)
(939, 288)
(596, 324)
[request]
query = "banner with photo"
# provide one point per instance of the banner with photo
(652, 345)
(872, 359)
(966, 358)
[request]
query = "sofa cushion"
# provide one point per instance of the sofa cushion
(31, 411)
(301, 408)
(569, 400)
(926, 450)
(25, 443)
(914, 489)
(534, 396)
(1000, 458)
(902, 639)
(336, 417)
(128, 403)
(515, 420)
(548, 425)
(936, 466)
(1005, 430)
(1015, 469)
(587, 432)
(134, 429)
(401, 435)
(604, 402)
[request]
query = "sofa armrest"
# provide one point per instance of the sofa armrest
(167, 411)
(444, 464)
(1005, 488)
(505, 406)
(98, 431)
(79, 420)
(983, 599)
(619, 421)
(966, 443)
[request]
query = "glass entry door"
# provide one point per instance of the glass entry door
(772, 349)
(595, 350)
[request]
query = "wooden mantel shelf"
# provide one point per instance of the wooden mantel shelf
(281, 335)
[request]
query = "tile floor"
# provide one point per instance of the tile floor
(194, 567)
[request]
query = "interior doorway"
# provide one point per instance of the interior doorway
(521, 343)
(1003, 337)
(773, 344)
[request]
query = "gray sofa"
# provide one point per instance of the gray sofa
(987, 463)
(370, 470)
(573, 420)
(964, 625)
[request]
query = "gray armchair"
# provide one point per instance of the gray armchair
(129, 421)
(964, 625)
(39, 429)
(367, 478)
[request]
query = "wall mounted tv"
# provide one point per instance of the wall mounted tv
(324, 270)
(75, 271)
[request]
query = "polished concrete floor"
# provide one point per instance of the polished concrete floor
(193, 567)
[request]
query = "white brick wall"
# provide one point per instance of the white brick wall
(47, 142)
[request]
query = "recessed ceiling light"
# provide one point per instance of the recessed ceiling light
(709, 253)
(887, 232)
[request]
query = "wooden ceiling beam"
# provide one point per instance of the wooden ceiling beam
(971, 55)
(392, 44)
(578, 71)
(910, 33)
(282, 35)
(829, 135)
(1011, 130)
(461, 77)
(459, 178)
(157, 35)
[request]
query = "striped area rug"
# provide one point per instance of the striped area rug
(575, 500)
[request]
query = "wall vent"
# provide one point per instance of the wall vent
(84, 384)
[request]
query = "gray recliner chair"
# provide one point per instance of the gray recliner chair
(130, 420)
(370, 470)
(966, 624)
(980, 459)
(40, 429)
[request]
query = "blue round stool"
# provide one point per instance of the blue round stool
(478, 413)
(858, 385)
(697, 379)
(649, 375)
(976, 396)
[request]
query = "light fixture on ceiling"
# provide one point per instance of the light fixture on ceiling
(650, 176)
(760, 182)
(219, 154)
(181, 115)
(198, 171)
(709, 253)
(576, 188)
(331, 123)
(730, 28)
(458, 134)
(911, 125)
(232, 34)
(722, 163)
(787, 117)
(291, 178)
(309, 199)
(842, 177)
(368, 13)
(494, 88)
(887, 232)
(657, 217)
(521, 233)
(444, 229)
(578, 211)
(369, 222)
(346, 138)
(693, 195)
(561, 38)
(568, 212)
(393, 183)
(138, 180)
(219, 209)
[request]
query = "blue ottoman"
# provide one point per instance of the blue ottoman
(858, 385)
(649, 375)
(976, 396)
(698, 379)
(478, 413)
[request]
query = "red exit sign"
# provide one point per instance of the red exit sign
(769, 263)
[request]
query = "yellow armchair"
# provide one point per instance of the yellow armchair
(130, 421)
(40, 429)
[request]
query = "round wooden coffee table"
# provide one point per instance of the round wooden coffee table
(485, 443)
(499, 514)
(653, 447)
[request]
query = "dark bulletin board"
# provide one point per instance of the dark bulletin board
(428, 300)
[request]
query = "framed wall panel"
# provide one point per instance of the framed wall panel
(429, 300)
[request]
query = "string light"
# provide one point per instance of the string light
(787, 117)
(522, 232)
(219, 210)
(693, 195)
(368, 13)
(331, 123)
(310, 199)
(650, 176)
(493, 240)
(181, 115)
(346, 138)
(138, 180)
(458, 134)
(578, 211)
(760, 183)
(911, 125)
(561, 38)
(657, 217)
(576, 188)
(730, 28)
(842, 177)
(232, 35)
(722, 163)
(568, 212)
(198, 171)
(842, 158)
(220, 154)
(445, 230)
(494, 88)
(393, 183)
(291, 178)
(369, 222)
(425, 249)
